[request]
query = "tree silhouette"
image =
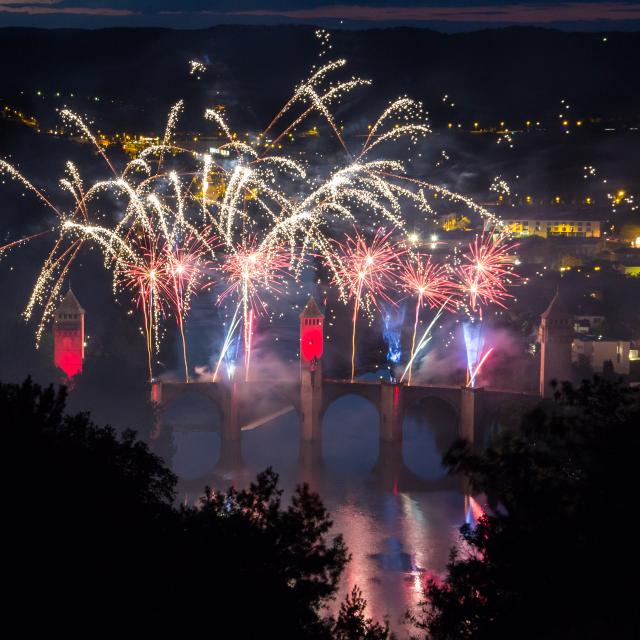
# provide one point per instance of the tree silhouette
(352, 622)
(550, 559)
(608, 370)
(97, 548)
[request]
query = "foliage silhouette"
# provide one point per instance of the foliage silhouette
(97, 548)
(352, 622)
(550, 558)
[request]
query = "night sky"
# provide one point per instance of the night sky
(456, 15)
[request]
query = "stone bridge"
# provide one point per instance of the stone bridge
(245, 405)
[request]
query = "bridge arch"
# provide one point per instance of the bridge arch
(174, 392)
(192, 410)
(332, 390)
(270, 424)
(192, 422)
(429, 427)
(350, 438)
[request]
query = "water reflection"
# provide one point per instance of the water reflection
(350, 436)
(395, 506)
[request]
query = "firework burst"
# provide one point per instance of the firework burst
(486, 271)
(365, 270)
(431, 284)
(145, 275)
(159, 230)
(249, 272)
(187, 264)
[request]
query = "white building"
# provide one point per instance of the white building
(597, 350)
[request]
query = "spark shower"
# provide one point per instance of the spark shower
(173, 223)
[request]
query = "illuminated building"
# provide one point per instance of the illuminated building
(311, 332)
(587, 323)
(455, 222)
(597, 350)
(133, 145)
(218, 151)
(311, 347)
(555, 337)
(626, 260)
(545, 227)
(68, 336)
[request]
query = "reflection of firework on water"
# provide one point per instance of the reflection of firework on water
(486, 271)
(366, 270)
(430, 284)
(267, 210)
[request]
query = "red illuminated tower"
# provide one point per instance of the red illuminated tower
(555, 336)
(311, 332)
(68, 336)
(311, 346)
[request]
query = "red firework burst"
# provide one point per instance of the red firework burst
(429, 282)
(486, 270)
(251, 270)
(186, 264)
(366, 269)
(163, 275)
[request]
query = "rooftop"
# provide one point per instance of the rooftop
(550, 212)
(69, 304)
(599, 338)
(556, 310)
(312, 310)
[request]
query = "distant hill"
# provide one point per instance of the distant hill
(510, 74)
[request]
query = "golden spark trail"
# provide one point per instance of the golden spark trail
(249, 220)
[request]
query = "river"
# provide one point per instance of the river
(395, 506)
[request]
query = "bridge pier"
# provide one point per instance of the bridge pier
(390, 468)
(391, 410)
(230, 431)
(471, 405)
(310, 464)
(311, 401)
(158, 410)
(230, 455)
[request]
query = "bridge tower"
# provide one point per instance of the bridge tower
(311, 348)
(68, 336)
(555, 336)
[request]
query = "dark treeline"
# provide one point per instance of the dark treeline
(495, 74)
(97, 547)
(553, 558)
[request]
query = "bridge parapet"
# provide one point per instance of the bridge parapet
(313, 394)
